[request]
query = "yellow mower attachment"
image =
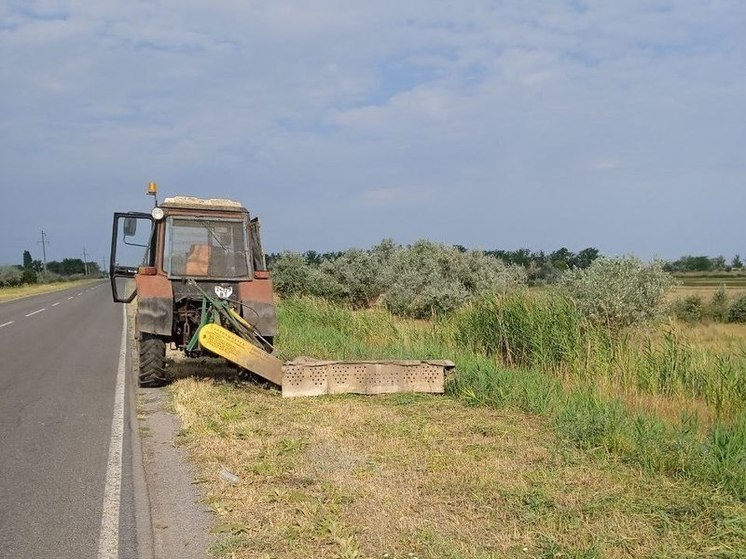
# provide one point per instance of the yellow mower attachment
(310, 377)
(243, 346)
(243, 353)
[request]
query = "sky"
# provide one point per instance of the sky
(489, 124)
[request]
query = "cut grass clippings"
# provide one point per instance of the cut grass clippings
(406, 476)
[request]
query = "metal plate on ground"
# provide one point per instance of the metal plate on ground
(313, 378)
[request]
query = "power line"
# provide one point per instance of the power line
(44, 242)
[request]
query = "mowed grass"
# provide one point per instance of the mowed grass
(424, 476)
(542, 458)
(10, 293)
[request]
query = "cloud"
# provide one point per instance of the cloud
(513, 110)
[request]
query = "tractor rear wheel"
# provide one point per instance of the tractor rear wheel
(152, 351)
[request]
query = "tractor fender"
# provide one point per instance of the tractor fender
(155, 305)
(258, 304)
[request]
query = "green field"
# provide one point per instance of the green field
(713, 279)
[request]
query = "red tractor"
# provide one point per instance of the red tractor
(171, 258)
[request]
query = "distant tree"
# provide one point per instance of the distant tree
(29, 276)
(692, 264)
(585, 258)
(561, 259)
(37, 266)
(93, 269)
(718, 263)
(520, 257)
(54, 266)
(312, 257)
(736, 263)
(71, 266)
(26, 259)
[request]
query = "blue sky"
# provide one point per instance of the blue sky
(619, 125)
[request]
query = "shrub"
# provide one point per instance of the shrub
(355, 277)
(737, 311)
(688, 309)
(10, 276)
(291, 274)
(428, 278)
(718, 310)
(417, 281)
(618, 292)
(28, 276)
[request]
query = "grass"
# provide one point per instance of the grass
(556, 441)
(547, 333)
(713, 279)
(10, 293)
(422, 476)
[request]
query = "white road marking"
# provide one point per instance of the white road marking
(55, 304)
(108, 540)
(69, 298)
(7, 323)
(36, 312)
(79, 294)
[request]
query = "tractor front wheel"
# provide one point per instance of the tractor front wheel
(152, 351)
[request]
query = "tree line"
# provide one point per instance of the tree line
(540, 266)
(33, 271)
(544, 266)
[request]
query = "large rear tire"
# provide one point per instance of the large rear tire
(152, 371)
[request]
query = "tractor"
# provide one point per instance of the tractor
(198, 272)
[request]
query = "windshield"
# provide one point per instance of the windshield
(214, 248)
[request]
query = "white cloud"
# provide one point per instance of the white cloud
(494, 109)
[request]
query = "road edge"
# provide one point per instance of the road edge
(171, 517)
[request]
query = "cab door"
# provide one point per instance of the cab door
(132, 246)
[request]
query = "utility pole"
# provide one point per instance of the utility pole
(44, 242)
(85, 262)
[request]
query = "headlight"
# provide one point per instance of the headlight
(157, 213)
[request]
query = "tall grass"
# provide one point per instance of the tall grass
(541, 330)
(536, 354)
(325, 330)
(546, 331)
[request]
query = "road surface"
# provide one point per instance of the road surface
(67, 482)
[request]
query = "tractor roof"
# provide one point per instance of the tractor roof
(202, 203)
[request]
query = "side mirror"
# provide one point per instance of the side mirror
(130, 226)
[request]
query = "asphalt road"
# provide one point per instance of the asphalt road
(59, 356)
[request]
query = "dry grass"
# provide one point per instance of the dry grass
(10, 293)
(705, 292)
(716, 336)
(421, 476)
